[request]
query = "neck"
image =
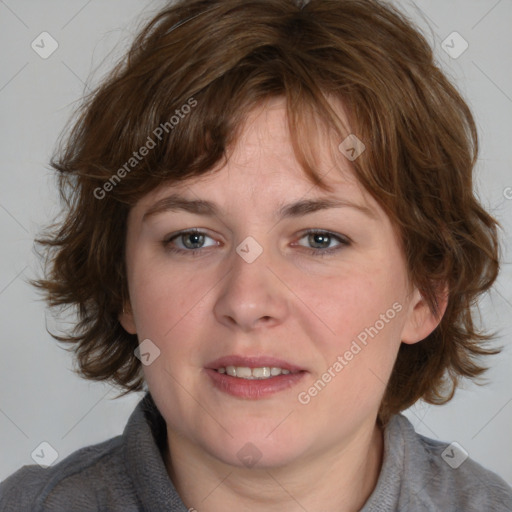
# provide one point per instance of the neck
(341, 479)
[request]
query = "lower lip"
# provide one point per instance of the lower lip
(253, 389)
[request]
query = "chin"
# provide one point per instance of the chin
(250, 449)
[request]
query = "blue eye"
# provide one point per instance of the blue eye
(194, 236)
(324, 239)
(193, 242)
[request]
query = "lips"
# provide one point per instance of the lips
(252, 388)
(253, 362)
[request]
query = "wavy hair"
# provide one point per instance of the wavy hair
(228, 56)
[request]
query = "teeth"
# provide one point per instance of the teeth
(260, 373)
(241, 372)
(244, 372)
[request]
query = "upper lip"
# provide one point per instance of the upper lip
(253, 362)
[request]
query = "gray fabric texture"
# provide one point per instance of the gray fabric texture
(127, 474)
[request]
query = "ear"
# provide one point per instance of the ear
(421, 321)
(126, 319)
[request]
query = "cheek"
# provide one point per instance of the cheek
(167, 302)
(364, 311)
(356, 303)
(168, 309)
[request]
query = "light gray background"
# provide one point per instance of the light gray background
(40, 398)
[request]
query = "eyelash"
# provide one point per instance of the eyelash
(314, 252)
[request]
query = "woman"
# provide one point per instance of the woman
(272, 229)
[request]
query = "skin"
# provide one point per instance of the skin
(288, 303)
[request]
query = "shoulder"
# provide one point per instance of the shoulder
(441, 475)
(74, 483)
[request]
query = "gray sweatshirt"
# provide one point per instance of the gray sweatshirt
(127, 474)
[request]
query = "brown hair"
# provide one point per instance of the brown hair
(223, 57)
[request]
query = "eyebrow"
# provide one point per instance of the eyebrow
(175, 202)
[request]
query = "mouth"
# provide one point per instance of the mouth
(245, 372)
(253, 377)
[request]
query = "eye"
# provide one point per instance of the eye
(192, 241)
(321, 241)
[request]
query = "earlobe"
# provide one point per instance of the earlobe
(126, 319)
(421, 321)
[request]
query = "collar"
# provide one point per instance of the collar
(144, 442)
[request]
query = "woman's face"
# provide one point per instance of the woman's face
(254, 290)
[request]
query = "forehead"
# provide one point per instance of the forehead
(262, 161)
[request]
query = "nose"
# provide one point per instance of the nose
(252, 294)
